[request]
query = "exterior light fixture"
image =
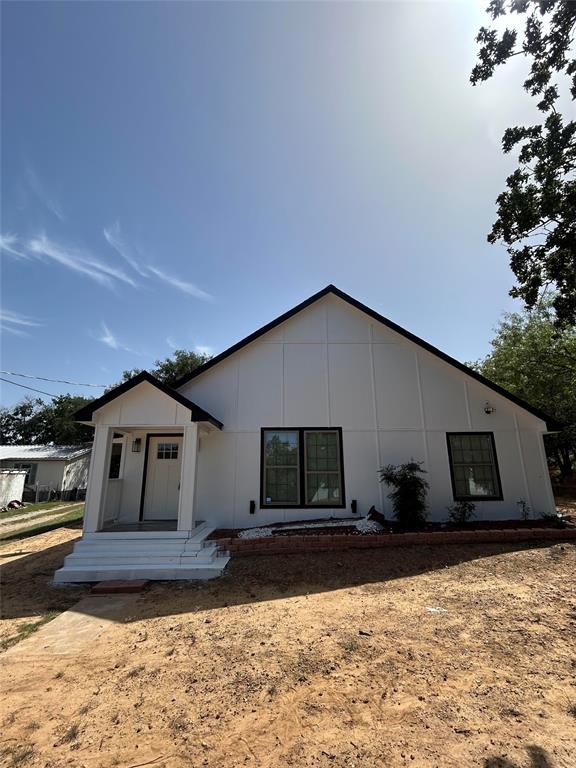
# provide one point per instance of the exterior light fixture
(489, 408)
(136, 445)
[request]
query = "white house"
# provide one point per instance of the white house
(293, 423)
(61, 468)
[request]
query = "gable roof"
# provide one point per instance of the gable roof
(43, 452)
(551, 423)
(196, 413)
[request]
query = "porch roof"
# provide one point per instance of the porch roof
(196, 412)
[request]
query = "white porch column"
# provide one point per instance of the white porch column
(188, 478)
(97, 479)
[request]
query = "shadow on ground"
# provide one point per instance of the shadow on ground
(246, 580)
(538, 759)
(26, 588)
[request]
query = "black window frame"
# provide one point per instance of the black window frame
(301, 469)
(115, 461)
(499, 496)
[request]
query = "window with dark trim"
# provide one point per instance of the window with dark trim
(474, 466)
(302, 467)
(115, 460)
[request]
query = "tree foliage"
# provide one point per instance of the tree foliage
(34, 422)
(408, 493)
(536, 214)
(170, 370)
(534, 359)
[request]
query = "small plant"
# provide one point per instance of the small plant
(409, 494)
(70, 734)
(461, 512)
(524, 508)
(349, 644)
(19, 755)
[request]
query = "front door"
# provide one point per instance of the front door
(162, 488)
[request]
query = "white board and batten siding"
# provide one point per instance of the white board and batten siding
(332, 365)
(143, 410)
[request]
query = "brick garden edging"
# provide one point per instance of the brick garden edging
(276, 545)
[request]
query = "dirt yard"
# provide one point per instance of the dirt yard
(27, 596)
(324, 660)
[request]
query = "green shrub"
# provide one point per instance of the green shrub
(408, 495)
(462, 512)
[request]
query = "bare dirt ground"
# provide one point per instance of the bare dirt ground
(323, 660)
(26, 571)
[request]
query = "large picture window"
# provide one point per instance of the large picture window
(302, 468)
(473, 466)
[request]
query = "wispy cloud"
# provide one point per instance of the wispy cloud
(110, 340)
(44, 249)
(45, 198)
(7, 243)
(171, 343)
(128, 252)
(16, 323)
(203, 350)
(114, 238)
(181, 285)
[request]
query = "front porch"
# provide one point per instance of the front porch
(140, 518)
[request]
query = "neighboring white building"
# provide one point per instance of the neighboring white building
(293, 423)
(60, 468)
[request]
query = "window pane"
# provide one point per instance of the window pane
(167, 451)
(115, 458)
(322, 451)
(281, 448)
(281, 486)
(323, 488)
(474, 466)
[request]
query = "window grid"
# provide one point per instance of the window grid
(281, 467)
(322, 468)
(302, 468)
(167, 451)
(474, 467)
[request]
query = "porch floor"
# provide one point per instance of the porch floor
(143, 525)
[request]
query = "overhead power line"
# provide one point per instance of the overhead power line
(57, 381)
(16, 384)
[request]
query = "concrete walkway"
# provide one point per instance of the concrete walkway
(74, 630)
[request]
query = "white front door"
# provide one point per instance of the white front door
(162, 489)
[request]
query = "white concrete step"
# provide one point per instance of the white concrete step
(159, 573)
(99, 556)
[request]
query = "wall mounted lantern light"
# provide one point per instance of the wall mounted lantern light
(489, 408)
(136, 445)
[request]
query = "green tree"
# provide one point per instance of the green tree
(536, 214)
(34, 422)
(172, 368)
(536, 360)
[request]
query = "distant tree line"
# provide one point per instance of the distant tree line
(35, 422)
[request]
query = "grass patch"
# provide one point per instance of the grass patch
(18, 755)
(73, 516)
(27, 629)
(42, 506)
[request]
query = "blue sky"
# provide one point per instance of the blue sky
(179, 174)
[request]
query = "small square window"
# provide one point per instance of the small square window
(167, 451)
